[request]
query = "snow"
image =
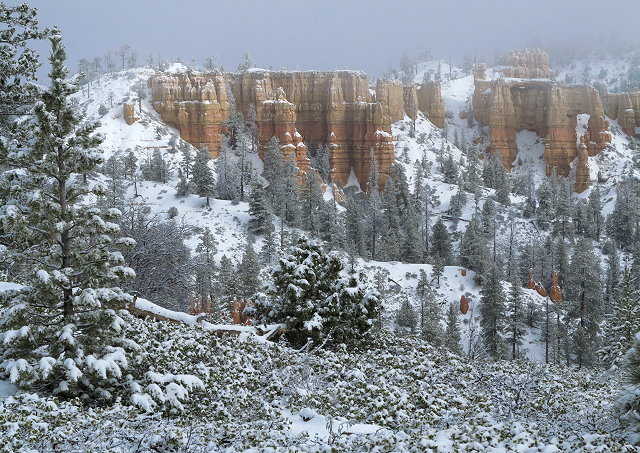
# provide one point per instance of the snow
(7, 389)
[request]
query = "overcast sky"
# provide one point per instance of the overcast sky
(332, 34)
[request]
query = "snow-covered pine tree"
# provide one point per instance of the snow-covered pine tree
(261, 221)
(19, 62)
(516, 319)
(452, 330)
(63, 332)
(373, 215)
(623, 323)
(156, 168)
(430, 312)
(312, 201)
(203, 178)
(492, 310)
(228, 174)
(584, 292)
(205, 267)
(227, 284)
(441, 243)
(406, 318)
(628, 404)
(249, 271)
(316, 300)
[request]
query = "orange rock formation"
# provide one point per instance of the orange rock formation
(548, 109)
(195, 104)
(625, 108)
(336, 109)
(129, 113)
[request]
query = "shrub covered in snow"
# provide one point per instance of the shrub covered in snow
(316, 300)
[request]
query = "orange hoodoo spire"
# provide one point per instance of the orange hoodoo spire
(556, 292)
(464, 304)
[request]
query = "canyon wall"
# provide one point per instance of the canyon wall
(195, 104)
(625, 108)
(542, 106)
(336, 109)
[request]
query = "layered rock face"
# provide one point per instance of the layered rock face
(526, 64)
(195, 104)
(277, 118)
(625, 108)
(431, 102)
(334, 109)
(550, 110)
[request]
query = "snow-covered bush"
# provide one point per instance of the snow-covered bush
(316, 300)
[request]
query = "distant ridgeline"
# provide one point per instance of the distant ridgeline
(337, 109)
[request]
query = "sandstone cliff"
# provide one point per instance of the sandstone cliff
(335, 109)
(625, 108)
(550, 110)
(129, 113)
(195, 104)
(431, 102)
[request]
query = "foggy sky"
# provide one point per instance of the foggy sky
(331, 34)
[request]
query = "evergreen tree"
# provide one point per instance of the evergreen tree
(473, 246)
(492, 311)
(406, 316)
(452, 331)
(62, 331)
(131, 170)
(156, 168)
(205, 267)
(316, 302)
(449, 169)
(114, 170)
(203, 179)
(516, 319)
(227, 284)
(373, 220)
(430, 313)
(623, 323)
(261, 221)
(585, 295)
(19, 62)
(249, 271)
(311, 197)
(228, 174)
(441, 243)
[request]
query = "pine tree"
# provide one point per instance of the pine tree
(317, 303)
(248, 271)
(63, 330)
(205, 267)
(19, 62)
(628, 405)
(227, 284)
(203, 178)
(452, 331)
(373, 219)
(156, 168)
(406, 316)
(261, 221)
(492, 309)
(584, 292)
(131, 170)
(441, 243)
(623, 323)
(228, 174)
(430, 313)
(516, 319)
(312, 201)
